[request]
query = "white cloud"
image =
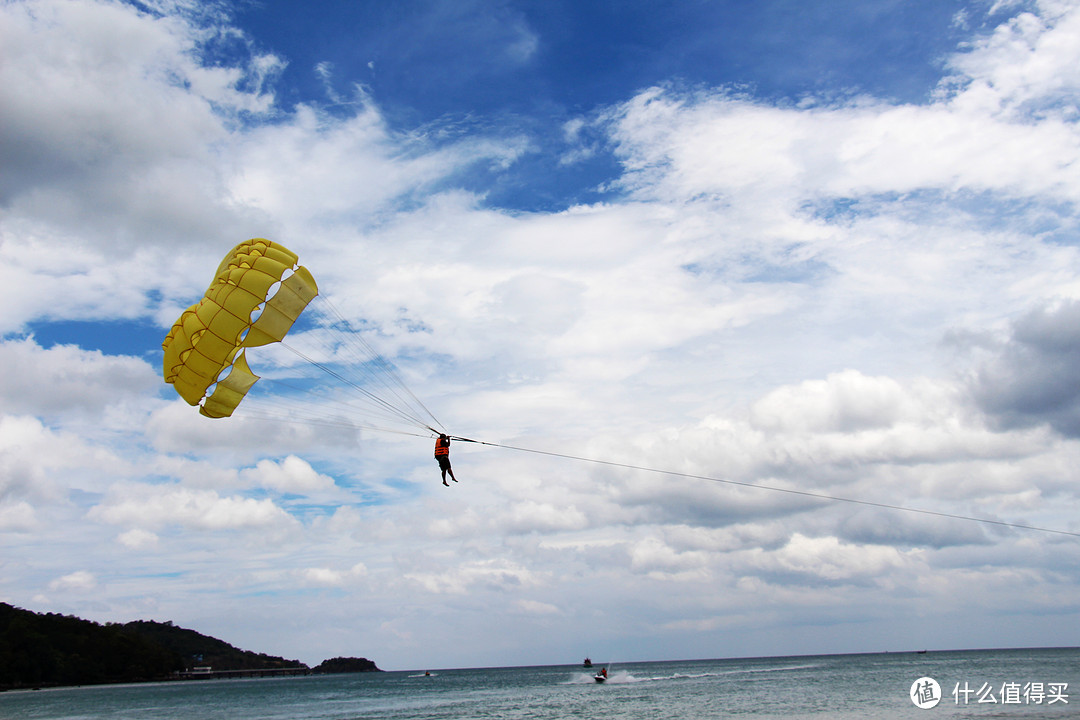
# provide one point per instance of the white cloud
(716, 145)
(137, 539)
(524, 46)
(156, 506)
(320, 167)
(766, 306)
(826, 559)
(290, 475)
(536, 607)
(76, 581)
(179, 428)
(38, 464)
(844, 402)
(1027, 63)
(82, 158)
(66, 378)
(545, 517)
(18, 516)
(333, 578)
(1033, 377)
(652, 555)
(880, 527)
(497, 574)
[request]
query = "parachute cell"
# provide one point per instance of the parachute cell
(210, 336)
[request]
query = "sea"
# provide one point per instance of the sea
(1030, 683)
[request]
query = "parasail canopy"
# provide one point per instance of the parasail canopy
(211, 335)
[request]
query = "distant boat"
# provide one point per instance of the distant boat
(920, 652)
(588, 663)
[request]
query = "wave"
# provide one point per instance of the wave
(622, 677)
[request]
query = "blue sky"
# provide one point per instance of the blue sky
(531, 67)
(426, 60)
(825, 247)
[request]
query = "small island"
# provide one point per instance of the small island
(345, 665)
(48, 650)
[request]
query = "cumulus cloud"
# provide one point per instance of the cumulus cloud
(490, 575)
(534, 516)
(851, 417)
(815, 560)
(290, 475)
(130, 164)
(536, 607)
(654, 556)
(333, 578)
(179, 428)
(350, 169)
(76, 581)
(760, 299)
(1027, 64)
(39, 465)
(905, 530)
(1034, 376)
(844, 402)
(154, 506)
(137, 539)
(66, 378)
(16, 516)
(715, 144)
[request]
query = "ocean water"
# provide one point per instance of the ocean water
(1039, 683)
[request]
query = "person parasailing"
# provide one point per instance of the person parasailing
(442, 456)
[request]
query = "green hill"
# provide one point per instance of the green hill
(197, 649)
(345, 665)
(39, 650)
(52, 649)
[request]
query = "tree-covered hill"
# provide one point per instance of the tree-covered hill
(52, 649)
(345, 665)
(197, 649)
(39, 650)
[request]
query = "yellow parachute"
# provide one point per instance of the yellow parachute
(212, 334)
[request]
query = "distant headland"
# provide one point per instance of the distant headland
(47, 650)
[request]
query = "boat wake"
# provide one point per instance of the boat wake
(614, 678)
(782, 668)
(622, 677)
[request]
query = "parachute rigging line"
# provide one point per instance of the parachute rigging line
(334, 412)
(290, 416)
(388, 376)
(388, 407)
(804, 493)
(375, 393)
(255, 298)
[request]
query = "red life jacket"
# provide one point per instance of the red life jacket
(441, 448)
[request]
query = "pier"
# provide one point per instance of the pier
(209, 674)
